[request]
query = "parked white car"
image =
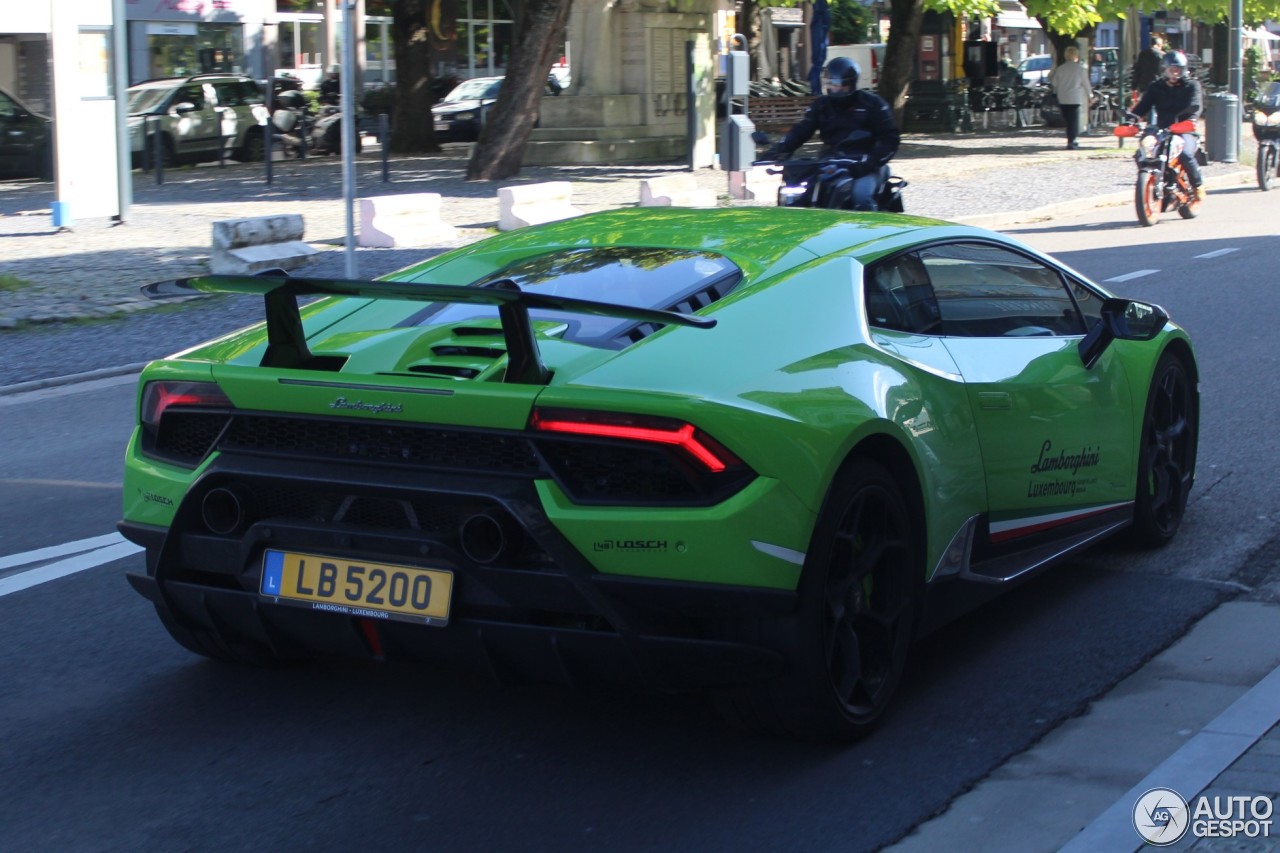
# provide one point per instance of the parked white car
(1036, 69)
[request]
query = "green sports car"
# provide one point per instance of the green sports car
(752, 450)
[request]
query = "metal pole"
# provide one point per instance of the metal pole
(124, 154)
(157, 150)
(349, 82)
(269, 146)
(691, 97)
(384, 139)
(1236, 67)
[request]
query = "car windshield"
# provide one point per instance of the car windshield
(148, 99)
(1272, 96)
(474, 90)
(640, 277)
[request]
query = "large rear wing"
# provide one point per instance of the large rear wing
(287, 344)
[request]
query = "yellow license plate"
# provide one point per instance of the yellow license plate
(374, 590)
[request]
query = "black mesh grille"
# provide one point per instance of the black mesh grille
(438, 517)
(428, 447)
(187, 437)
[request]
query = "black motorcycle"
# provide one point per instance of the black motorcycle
(303, 131)
(827, 182)
(1266, 129)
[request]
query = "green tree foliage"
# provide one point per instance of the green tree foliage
(850, 21)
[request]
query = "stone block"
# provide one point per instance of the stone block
(534, 204)
(250, 245)
(679, 190)
(411, 219)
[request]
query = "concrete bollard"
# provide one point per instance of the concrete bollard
(411, 219)
(250, 245)
(534, 204)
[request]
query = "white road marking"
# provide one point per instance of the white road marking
(1132, 275)
(54, 551)
(62, 568)
(1216, 253)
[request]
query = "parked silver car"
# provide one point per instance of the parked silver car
(195, 116)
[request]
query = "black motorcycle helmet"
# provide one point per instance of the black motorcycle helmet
(1175, 66)
(840, 80)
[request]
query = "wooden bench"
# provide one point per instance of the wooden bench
(777, 115)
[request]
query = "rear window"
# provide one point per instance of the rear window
(668, 279)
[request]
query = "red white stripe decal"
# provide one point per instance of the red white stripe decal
(1013, 528)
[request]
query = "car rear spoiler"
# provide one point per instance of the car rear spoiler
(287, 343)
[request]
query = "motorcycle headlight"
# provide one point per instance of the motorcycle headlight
(1274, 119)
(1149, 146)
(462, 116)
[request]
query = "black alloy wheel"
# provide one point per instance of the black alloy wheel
(846, 646)
(1167, 458)
(869, 603)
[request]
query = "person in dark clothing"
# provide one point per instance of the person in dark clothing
(838, 117)
(1147, 67)
(330, 88)
(1176, 97)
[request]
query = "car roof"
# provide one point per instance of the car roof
(159, 82)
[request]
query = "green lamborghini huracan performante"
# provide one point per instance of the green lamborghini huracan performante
(745, 450)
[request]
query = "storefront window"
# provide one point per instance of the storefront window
(196, 49)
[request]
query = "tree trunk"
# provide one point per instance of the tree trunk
(500, 151)
(905, 19)
(414, 129)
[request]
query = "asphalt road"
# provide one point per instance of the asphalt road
(116, 739)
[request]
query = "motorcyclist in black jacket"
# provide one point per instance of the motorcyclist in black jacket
(1175, 96)
(838, 117)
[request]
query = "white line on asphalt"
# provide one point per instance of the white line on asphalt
(1215, 253)
(62, 568)
(54, 551)
(1132, 275)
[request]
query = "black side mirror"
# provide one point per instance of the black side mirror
(1122, 319)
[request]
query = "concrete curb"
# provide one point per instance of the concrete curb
(71, 379)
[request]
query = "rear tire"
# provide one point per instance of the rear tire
(847, 643)
(1146, 198)
(1266, 166)
(1167, 457)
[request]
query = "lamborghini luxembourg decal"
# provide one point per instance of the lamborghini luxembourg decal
(1064, 468)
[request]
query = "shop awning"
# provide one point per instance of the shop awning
(1017, 20)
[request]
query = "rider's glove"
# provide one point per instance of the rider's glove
(776, 153)
(862, 167)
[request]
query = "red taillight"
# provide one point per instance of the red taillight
(654, 430)
(158, 397)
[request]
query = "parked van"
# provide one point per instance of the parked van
(868, 56)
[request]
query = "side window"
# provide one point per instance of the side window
(193, 94)
(8, 109)
(898, 296)
(1089, 303)
(986, 291)
(228, 93)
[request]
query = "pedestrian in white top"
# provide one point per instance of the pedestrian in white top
(1070, 82)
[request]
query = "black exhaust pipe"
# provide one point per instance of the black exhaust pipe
(486, 538)
(224, 510)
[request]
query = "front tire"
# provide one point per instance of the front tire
(1167, 457)
(848, 643)
(1146, 198)
(254, 148)
(1266, 166)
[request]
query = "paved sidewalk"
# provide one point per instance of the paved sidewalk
(94, 269)
(1199, 718)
